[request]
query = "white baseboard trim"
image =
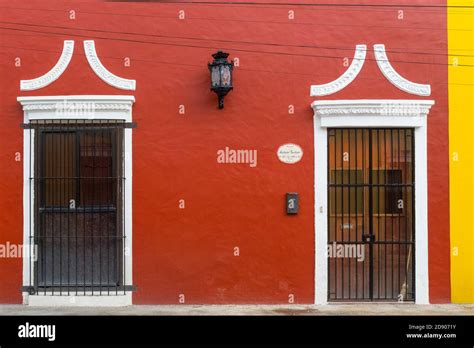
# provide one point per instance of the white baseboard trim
(82, 300)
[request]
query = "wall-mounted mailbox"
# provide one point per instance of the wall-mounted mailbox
(292, 203)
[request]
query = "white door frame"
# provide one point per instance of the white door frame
(76, 107)
(367, 114)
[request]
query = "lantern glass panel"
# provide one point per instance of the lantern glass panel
(215, 76)
(225, 76)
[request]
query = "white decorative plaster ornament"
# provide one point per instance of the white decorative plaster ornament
(77, 106)
(395, 78)
(374, 112)
(54, 73)
(377, 107)
(346, 78)
(102, 72)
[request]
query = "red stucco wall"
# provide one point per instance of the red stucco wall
(190, 251)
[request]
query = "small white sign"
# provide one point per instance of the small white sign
(290, 153)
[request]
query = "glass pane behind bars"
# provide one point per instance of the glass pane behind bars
(59, 168)
(78, 219)
(371, 212)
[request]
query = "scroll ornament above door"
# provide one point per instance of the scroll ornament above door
(385, 67)
(99, 69)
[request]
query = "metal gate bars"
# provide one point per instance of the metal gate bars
(371, 217)
(77, 207)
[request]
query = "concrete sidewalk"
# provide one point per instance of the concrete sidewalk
(330, 309)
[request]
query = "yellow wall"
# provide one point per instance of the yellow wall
(461, 146)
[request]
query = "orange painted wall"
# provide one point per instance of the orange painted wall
(190, 251)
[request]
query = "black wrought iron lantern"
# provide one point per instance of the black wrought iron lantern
(221, 75)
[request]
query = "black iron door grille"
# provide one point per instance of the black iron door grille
(371, 235)
(77, 221)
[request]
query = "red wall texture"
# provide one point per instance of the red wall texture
(190, 251)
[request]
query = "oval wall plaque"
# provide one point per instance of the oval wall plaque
(290, 153)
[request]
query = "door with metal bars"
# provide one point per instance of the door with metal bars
(77, 222)
(371, 218)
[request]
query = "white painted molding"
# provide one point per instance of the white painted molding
(105, 299)
(320, 214)
(54, 73)
(102, 72)
(374, 113)
(346, 78)
(363, 114)
(395, 78)
(76, 107)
